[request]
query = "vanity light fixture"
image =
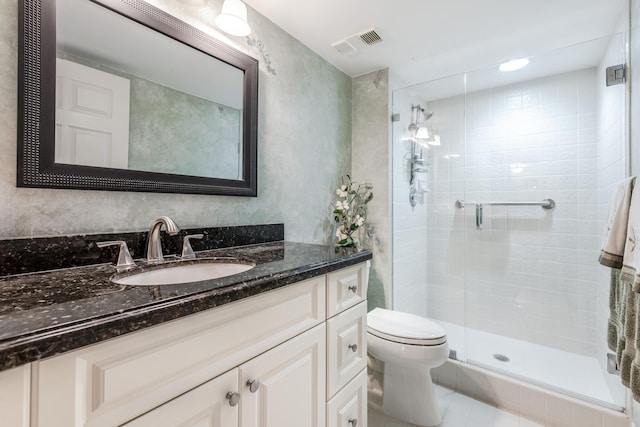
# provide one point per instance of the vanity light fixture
(513, 64)
(233, 18)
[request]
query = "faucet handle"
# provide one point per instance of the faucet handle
(124, 257)
(187, 250)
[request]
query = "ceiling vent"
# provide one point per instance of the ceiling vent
(370, 37)
(357, 42)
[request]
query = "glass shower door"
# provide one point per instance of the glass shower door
(533, 308)
(428, 176)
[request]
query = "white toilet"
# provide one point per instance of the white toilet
(402, 350)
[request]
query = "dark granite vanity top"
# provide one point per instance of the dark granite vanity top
(48, 313)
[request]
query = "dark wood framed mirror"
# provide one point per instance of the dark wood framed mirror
(185, 123)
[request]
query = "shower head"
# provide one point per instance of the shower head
(418, 116)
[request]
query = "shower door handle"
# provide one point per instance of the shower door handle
(478, 216)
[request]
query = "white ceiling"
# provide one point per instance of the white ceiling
(428, 39)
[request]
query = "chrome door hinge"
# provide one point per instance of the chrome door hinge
(615, 75)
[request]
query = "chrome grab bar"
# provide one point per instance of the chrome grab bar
(460, 204)
(545, 204)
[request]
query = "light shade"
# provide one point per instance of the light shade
(233, 18)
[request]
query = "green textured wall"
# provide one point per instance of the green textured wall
(167, 124)
(371, 162)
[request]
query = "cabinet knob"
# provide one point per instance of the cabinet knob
(353, 288)
(353, 422)
(233, 398)
(353, 347)
(253, 385)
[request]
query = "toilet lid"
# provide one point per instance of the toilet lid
(404, 328)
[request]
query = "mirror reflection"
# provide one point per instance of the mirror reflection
(128, 97)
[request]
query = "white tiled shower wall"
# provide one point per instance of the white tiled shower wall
(409, 223)
(530, 273)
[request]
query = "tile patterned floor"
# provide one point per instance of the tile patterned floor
(460, 411)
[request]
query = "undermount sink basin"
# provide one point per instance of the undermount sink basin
(183, 272)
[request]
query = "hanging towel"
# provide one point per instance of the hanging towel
(616, 338)
(634, 384)
(627, 343)
(621, 324)
(630, 272)
(615, 231)
(630, 276)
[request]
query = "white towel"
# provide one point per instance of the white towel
(631, 261)
(614, 238)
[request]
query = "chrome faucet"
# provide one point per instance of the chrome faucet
(154, 245)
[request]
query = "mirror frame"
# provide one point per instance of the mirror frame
(36, 108)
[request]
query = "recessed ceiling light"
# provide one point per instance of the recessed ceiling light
(513, 64)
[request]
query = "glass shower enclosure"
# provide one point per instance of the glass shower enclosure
(498, 210)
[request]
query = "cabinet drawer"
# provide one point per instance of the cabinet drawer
(346, 288)
(112, 382)
(348, 408)
(204, 406)
(346, 346)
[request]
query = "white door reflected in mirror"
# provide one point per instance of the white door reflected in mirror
(92, 116)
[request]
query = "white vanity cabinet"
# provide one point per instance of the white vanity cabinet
(282, 387)
(291, 389)
(208, 405)
(271, 360)
(14, 396)
(347, 347)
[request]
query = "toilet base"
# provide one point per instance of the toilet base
(408, 394)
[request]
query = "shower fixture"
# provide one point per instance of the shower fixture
(417, 158)
(417, 127)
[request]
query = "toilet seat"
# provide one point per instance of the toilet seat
(404, 328)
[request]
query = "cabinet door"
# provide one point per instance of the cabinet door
(208, 405)
(292, 384)
(15, 396)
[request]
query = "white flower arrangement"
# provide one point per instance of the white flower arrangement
(350, 210)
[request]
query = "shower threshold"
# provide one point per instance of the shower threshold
(560, 371)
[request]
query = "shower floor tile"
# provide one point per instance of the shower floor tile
(460, 411)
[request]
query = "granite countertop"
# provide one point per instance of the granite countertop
(48, 313)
